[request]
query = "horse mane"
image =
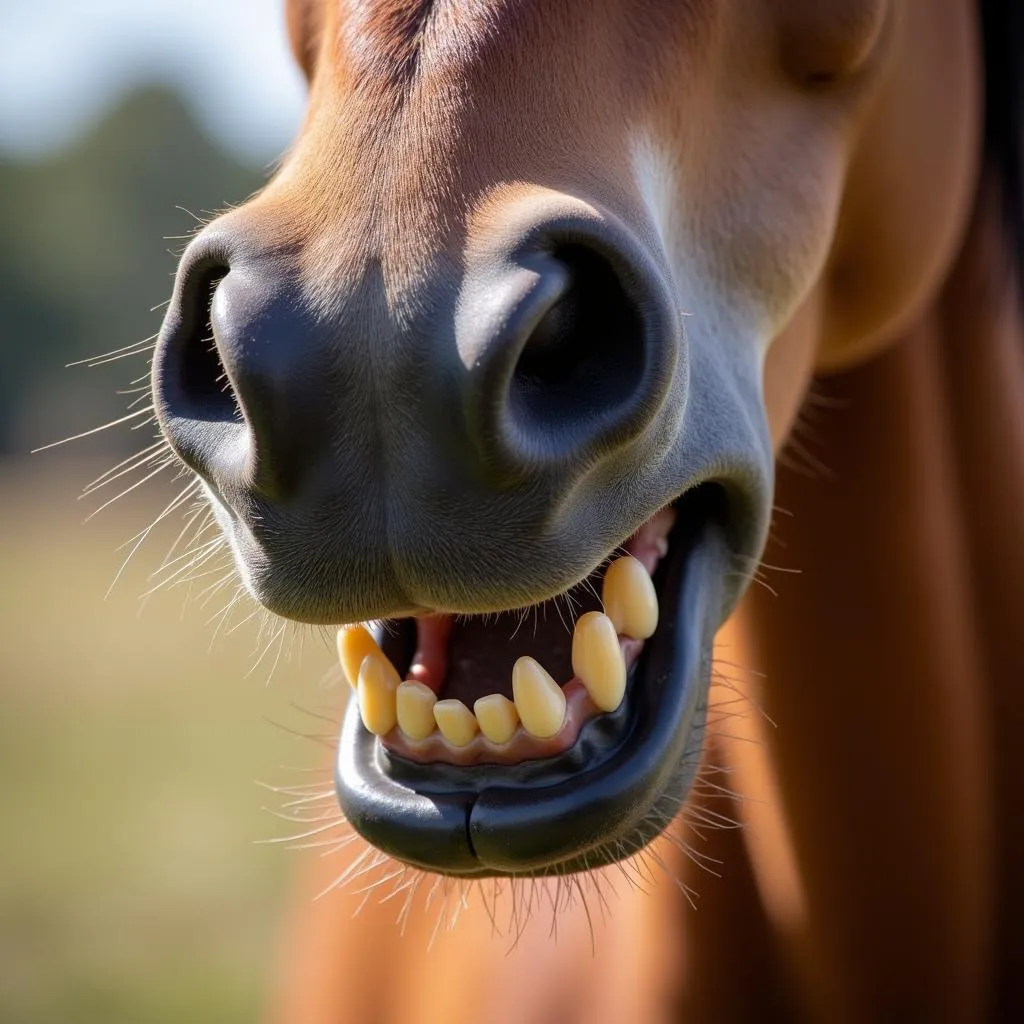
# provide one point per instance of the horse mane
(1002, 27)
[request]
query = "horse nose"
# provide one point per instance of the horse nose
(568, 351)
(238, 374)
(533, 365)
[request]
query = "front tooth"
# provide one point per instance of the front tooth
(456, 722)
(416, 709)
(630, 599)
(497, 716)
(354, 644)
(597, 660)
(377, 689)
(539, 699)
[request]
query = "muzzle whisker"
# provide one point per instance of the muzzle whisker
(283, 840)
(276, 637)
(196, 524)
(168, 461)
(710, 817)
(376, 883)
(126, 465)
(305, 789)
(311, 803)
(209, 592)
(331, 847)
(490, 906)
(346, 874)
(142, 392)
(402, 920)
(136, 348)
(198, 557)
(184, 495)
(575, 882)
(240, 594)
(798, 458)
(321, 739)
(141, 537)
(106, 426)
(223, 617)
(331, 817)
(332, 720)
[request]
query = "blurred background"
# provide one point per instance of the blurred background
(132, 887)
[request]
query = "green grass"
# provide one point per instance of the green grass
(131, 885)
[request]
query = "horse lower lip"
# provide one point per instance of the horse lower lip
(604, 798)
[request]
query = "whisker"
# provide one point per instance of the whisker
(174, 504)
(148, 455)
(97, 430)
(168, 461)
(136, 348)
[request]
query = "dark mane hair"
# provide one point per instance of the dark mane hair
(1002, 27)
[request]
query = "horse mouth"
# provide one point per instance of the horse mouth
(555, 738)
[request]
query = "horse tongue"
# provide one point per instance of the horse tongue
(483, 648)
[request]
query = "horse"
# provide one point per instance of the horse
(559, 326)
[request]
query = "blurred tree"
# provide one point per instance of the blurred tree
(88, 251)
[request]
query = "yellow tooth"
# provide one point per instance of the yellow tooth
(354, 644)
(629, 598)
(416, 709)
(497, 716)
(597, 660)
(456, 722)
(539, 699)
(377, 688)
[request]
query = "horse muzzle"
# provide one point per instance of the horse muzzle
(504, 467)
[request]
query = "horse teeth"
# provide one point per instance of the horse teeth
(497, 716)
(630, 599)
(377, 689)
(416, 709)
(457, 723)
(354, 644)
(597, 660)
(539, 699)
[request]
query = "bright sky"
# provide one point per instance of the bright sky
(63, 62)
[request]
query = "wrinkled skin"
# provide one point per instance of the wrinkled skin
(785, 187)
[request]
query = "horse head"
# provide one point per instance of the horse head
(524, 314)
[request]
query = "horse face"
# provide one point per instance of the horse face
(503, 312)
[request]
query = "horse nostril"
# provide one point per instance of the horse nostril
(239, 373)
(194, 395)
(203, 387)
(572, 347)
(585, 356)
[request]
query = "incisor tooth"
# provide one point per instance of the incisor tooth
(597, 660)
(539, 699)
(456, 722)
(377, 689)
(497, 716)
(354, 644)
(416, 709)
(629, 598)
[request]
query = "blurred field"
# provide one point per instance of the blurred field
(131, 888)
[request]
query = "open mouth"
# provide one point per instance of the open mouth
(547, 739)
